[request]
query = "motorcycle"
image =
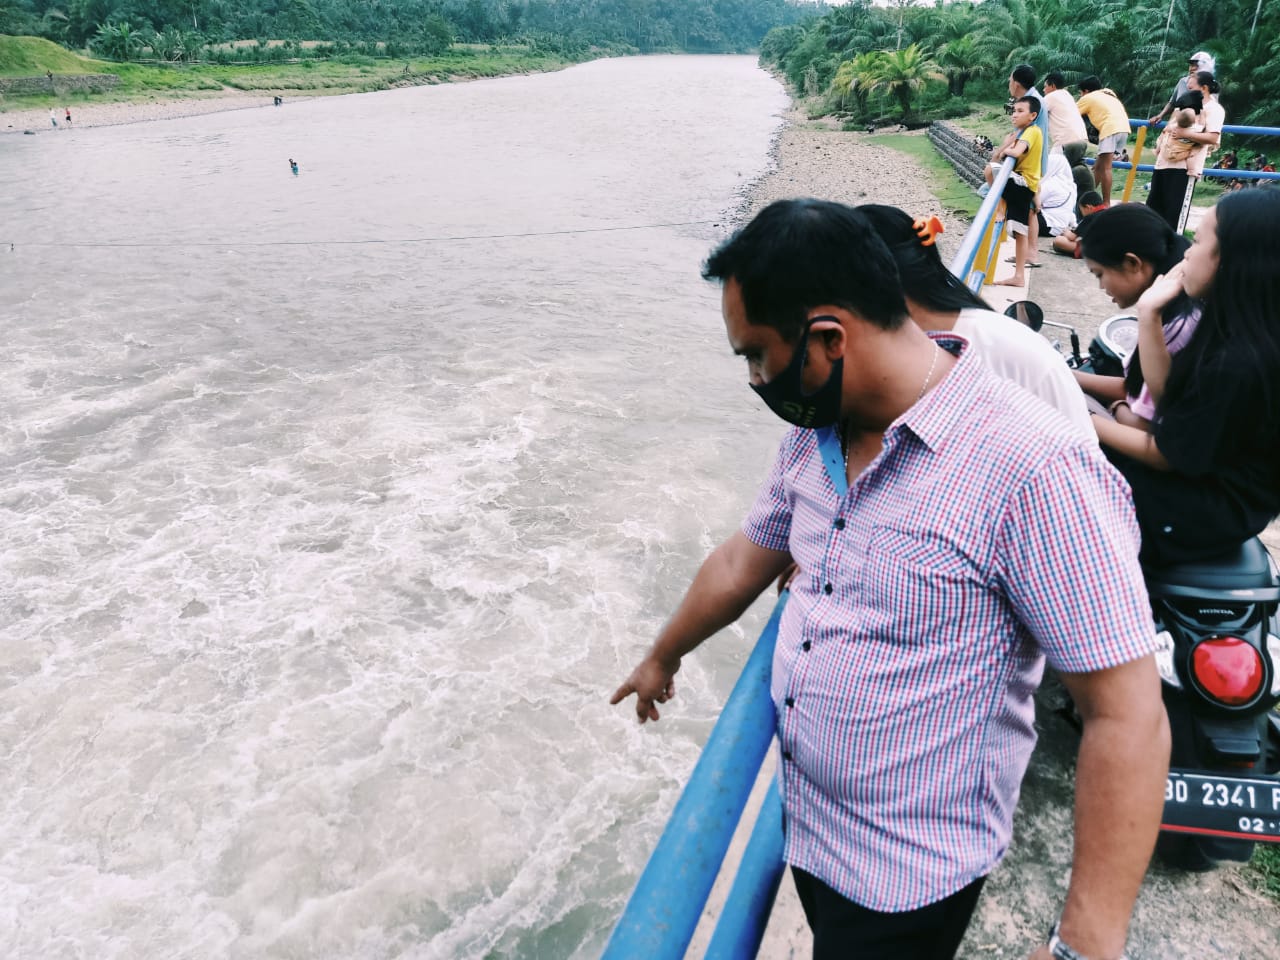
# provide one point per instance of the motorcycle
(1218, 628)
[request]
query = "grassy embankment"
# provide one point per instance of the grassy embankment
(32, 57)
(944, 182)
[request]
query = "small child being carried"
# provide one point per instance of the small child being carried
(1186, 111)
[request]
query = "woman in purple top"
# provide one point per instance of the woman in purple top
(1207, 475)
(1127, 247)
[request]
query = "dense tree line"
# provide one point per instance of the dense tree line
(866, 59)
(701, 26)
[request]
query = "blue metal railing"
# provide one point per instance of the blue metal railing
(962, 264)
(664, 909)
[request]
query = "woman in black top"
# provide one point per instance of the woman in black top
(1208, 475)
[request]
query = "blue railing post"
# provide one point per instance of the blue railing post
(745, 914)
(656, 924)
(962, 263)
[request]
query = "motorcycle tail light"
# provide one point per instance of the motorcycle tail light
(1228, 669)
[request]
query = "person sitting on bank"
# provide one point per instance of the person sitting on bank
(1026, 143)
(1068, 242)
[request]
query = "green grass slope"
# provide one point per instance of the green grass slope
(33, 57)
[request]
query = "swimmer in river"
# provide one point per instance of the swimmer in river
(293, 165)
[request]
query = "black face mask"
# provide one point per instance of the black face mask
(786, 397)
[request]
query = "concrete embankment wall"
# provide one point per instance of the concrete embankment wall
(64, 83)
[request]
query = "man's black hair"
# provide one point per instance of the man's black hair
(1055, 78)
(798, 254)
(1089, 84)
(1025, 74)
(1033, 104)
(1090, 198)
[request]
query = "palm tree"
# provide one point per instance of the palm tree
(855, 78)
(904, 73)
(119, 41)
(960, 61)
(166, 45)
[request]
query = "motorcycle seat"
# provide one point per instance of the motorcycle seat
(1248, 566)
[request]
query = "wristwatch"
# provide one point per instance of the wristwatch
(1061, 951)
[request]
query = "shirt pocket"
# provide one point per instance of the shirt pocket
(919, 582)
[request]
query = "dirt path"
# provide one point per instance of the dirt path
(1213, 916)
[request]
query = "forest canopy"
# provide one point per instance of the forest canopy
(695, 26)
(930, 56)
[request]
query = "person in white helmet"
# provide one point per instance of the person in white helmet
(1198, 61)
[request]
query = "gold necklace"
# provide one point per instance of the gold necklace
(844, 424)
(929, 376)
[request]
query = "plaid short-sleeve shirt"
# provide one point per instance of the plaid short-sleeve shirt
(929, 595)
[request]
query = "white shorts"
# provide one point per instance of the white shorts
(1112, 144)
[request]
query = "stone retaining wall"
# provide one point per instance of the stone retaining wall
(957, 146)
(61, 83)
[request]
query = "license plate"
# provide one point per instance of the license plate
(1222, 806)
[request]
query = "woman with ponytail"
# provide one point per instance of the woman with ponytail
(1207, 476)
(1126, 247)
(938, 301)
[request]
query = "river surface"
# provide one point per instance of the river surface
(322, 554)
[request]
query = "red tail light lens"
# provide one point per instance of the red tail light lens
(1228, 669)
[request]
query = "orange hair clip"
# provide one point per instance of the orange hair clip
(927, 230)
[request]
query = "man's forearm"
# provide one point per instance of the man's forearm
(725, 585)
(1120, 777)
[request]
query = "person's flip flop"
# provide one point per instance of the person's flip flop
(1029, 264)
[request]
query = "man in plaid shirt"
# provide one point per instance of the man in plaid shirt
(947, 525)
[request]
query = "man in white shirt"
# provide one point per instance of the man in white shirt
(1066, 126)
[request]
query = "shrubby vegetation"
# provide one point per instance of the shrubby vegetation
(189, 30)
(907, 61)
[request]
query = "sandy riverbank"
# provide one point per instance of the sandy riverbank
(814, 158)
(109, 114)
(1179, 916)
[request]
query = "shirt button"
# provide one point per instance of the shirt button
(839, 523)
(805, 646)
(786, 754)
(826, 588)
(790, 701)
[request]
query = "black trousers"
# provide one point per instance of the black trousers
(842, 930)
(1168, 191)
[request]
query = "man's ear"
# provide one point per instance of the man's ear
(832, 334)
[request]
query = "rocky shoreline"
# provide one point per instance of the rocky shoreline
(815, 158)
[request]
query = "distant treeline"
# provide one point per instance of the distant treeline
(926, 59)
(413, 26)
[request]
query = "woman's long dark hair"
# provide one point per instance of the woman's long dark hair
(1110, 235)
(925, 278)
(1240, 327)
